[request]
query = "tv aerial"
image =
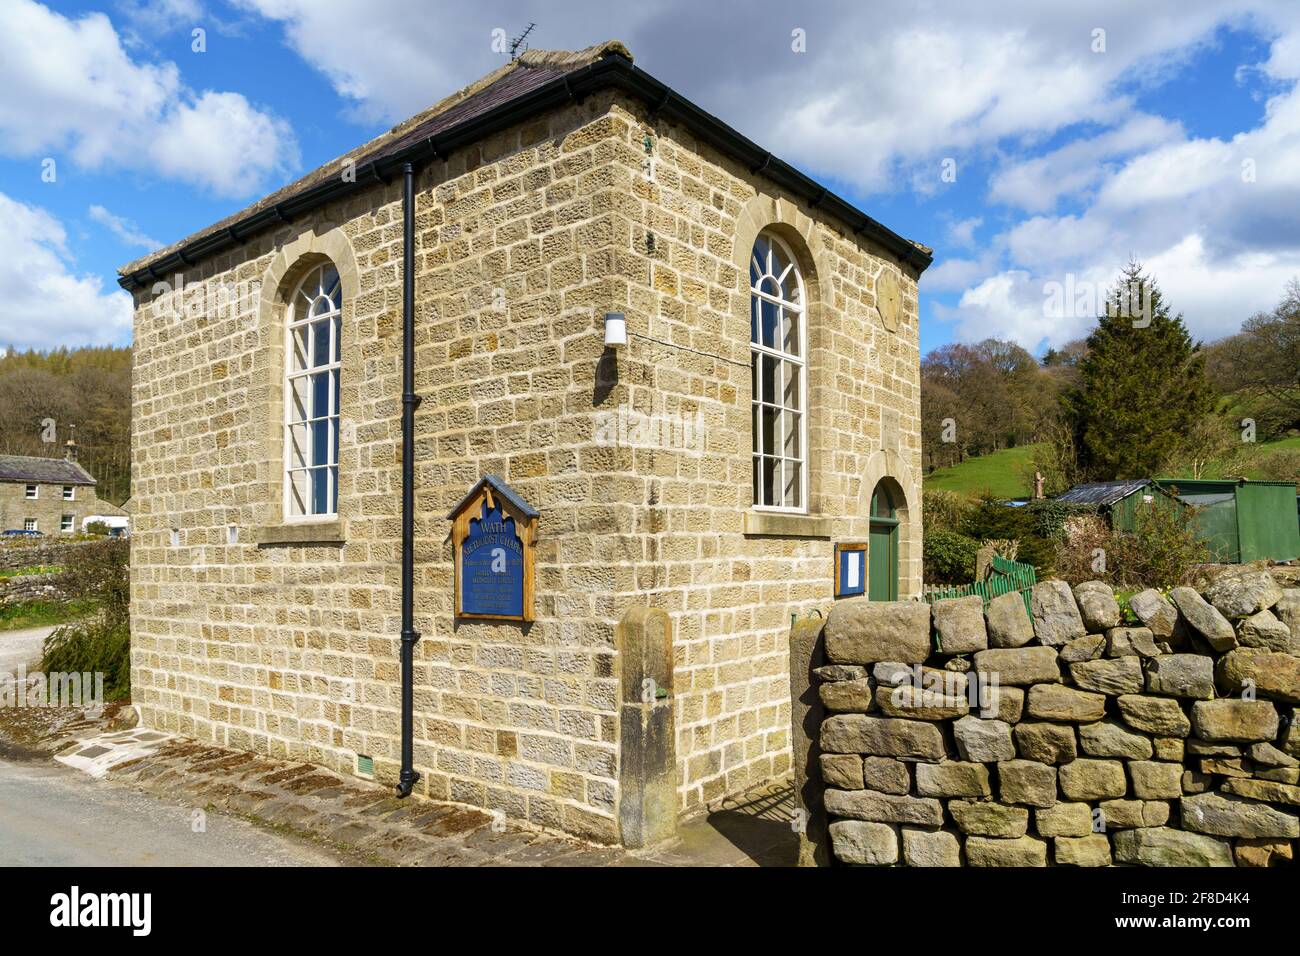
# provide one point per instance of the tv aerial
(518, 42)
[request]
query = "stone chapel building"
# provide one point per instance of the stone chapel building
(764, 408)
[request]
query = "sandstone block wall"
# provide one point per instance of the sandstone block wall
(685, 219)
(1068, 736)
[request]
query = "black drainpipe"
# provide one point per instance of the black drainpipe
(410, 401)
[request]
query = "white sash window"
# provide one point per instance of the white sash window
(777, 338)
(311, 444)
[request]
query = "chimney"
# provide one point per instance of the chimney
(71, 444)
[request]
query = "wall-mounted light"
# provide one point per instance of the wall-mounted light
(615, 329)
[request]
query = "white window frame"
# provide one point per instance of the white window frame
(32, 492)
(67, 523)
(291, 374)
(31, 524)
(801, 361)
(69, 492)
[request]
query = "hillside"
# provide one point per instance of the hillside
(1003, 473)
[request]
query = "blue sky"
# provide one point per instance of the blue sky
(1036, 147)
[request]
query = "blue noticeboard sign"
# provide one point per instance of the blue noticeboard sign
(492, 567)
(493, 532)
(850, 570)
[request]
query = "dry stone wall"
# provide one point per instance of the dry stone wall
(957, 737)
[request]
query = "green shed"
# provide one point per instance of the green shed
(1119, 500)
(1242, 520)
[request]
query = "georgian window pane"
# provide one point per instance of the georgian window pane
(793, 483)
(790, 430)
(768, 427)
(300, 399)
(321, 353)
(320, 491)
(320, 395)
(769, 315)
(770, 367)
(299, 446)
(792, 390)
(771, 472)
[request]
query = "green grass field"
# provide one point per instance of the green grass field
(1243, 463)
(1002, 473)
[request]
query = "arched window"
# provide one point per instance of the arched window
(777, 344)
(311, 487)
(882, 502)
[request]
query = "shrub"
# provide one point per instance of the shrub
(96, 644)
(943, 510)
(1051, 517)
(993, 519)
(949, 558)
(1282, 465)
(101, 643)
(99, 572)
(1162, 551)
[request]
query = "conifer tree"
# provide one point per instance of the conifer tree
(1142, 385)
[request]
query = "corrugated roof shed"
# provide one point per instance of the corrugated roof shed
(1102, 492)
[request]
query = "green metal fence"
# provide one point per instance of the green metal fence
(1005, 577)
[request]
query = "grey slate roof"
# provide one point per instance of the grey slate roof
(1102, 492)
(43, 471)
(500, 487)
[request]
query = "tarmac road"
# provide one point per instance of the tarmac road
(51, 815)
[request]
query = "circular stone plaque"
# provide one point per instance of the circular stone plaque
(889, 300)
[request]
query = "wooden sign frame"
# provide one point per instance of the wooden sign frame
(496, 494)
(844, 547)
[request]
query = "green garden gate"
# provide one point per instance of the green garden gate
(1004, 577)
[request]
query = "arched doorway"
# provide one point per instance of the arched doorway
(882, 558)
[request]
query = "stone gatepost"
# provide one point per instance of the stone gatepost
(647, 786)
(806, 714)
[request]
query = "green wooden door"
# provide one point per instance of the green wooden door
(882, 563)
(882, 546)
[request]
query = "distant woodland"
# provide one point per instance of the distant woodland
(85, 392)
(1132, 400)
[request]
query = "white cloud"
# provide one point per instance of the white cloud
(124, 229)
(1037, 184)
(1212, 218)
(872, 101)
(46, 302)
(71, 88)
(162, 17)
(222, 141)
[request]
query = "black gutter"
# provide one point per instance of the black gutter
(612, 71)
(410, 401)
